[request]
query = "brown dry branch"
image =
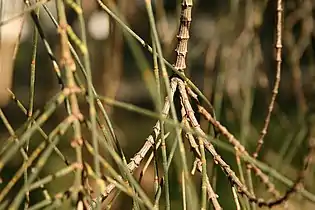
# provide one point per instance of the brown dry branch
(198, 164)
(181, 50)
(148, 144)
(264, 178)
(217, 158)
(297, 184)
(224, 131)
(80, 192)
(238, 147)
(70, 67)
(278, 47)
(183, 35)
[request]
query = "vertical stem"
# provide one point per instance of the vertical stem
(180, 65)
(159, 109)
(183, 190)
(33, 70)
(183, 35)
(92, 110)
(69, 66)
(278, 77)
(32, 93)
(166, 79)
(204, 176)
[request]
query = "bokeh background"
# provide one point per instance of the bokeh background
(231, 59)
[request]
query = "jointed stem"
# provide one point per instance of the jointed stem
(69, 66)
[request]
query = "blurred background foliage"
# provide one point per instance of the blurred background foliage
(231, 59)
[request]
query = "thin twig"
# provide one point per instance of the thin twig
(278, 76)
(198, 163)
(90, 95)
(69, 66)
(150, 141)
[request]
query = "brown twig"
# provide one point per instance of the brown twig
(278, 77)
(183, 35)
(211, 194)
(237, 145)
(149, 143)
(69, 66)
(217, 158)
